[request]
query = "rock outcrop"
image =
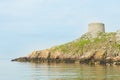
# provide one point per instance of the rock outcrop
(101, 49)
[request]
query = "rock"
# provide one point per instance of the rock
(116, 58)
(39, 54)
(88, 55)
(21, 59)
(100, 55)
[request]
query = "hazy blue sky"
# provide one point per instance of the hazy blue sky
(27, 25)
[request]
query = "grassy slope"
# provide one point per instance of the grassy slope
(82, 45)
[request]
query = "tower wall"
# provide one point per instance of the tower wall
(118, 36)
(96, 27)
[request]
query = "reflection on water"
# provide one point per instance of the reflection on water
(31, 71)
(74, 72)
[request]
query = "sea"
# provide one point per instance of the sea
(42, 71)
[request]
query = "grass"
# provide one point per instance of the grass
(83, 45)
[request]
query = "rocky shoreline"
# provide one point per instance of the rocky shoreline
(91, 58)
(69, 60)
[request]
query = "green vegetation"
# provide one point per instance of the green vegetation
(83, 44)
(116, 46)
(75, 47)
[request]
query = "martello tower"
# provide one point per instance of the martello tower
(96, 27)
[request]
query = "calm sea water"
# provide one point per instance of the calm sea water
(31, 71)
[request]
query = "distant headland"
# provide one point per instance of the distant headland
(94, 47)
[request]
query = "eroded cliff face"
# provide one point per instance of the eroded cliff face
(103, 48)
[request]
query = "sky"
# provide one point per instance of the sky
(28, 25)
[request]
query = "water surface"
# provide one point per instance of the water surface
(31, 71)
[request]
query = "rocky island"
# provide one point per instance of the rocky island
(94, 47)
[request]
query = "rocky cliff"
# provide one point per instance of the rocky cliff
(90, 48)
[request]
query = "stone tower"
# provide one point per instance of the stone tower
(96, 27)
(118, 36)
